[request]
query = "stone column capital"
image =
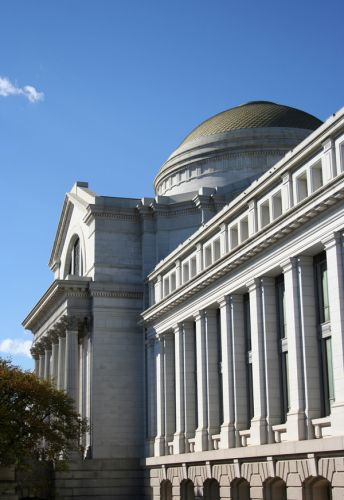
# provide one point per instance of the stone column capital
(200, 315)
(224, 301)
(39, 348)
(53, 335)
(35, 352)
(331, 240)
(253, 284)
(46, 342)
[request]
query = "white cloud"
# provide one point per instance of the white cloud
(15, 347)
(7, 88)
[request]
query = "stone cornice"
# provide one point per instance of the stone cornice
(116, 213)
(55, 293)
(65, 217)
(291, 220)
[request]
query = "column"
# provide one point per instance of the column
(41, 369)
(271, 355)
(179, 437)
(190, 381)
(227, 428)
(47, 353)
(303, 353)
(212, 364)
(334, 256)
(35, 354)
(72, 359)
(151, 394)
(169, 390)
(159, 444)
(54, 357)
(201, 435)
(61, 359)
(239, 358)
(258, 423)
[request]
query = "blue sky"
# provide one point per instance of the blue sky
(122, 83)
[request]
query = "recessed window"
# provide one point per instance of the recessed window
(243, 229)
(233, 237)
(276, 205)
(264, 214)
(75, 259)
(316, 176)
(301, 187)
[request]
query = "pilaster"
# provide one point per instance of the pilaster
(334, 255)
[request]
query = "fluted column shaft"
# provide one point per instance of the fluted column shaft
(71, 363)
(54, 360)
(47, 363)
(61, 362)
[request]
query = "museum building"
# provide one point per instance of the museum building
(201, 332)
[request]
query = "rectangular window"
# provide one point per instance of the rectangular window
(276, 202)
(186, 274)
(173, 282)
(207, 255)
(194, 347)
(323, 310)
(301, 187)
(219, 357)
(264, 214)
(216, 249)
(166, 286)
(233, 237)
(322, 288)
(193, 267)
(249, 375)
(316, 176)
(243, 229)
(283, 353)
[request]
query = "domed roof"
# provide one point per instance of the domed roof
(254, 114)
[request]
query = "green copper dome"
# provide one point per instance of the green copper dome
(254, 114)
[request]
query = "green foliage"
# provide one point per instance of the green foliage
(36, 420)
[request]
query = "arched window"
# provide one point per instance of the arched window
(240, 490)
(317, 488)
(275, 488)
(166, 490)
(211, 490)
(187, 491)
(75, 259)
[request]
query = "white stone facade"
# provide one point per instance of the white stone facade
(219, 371)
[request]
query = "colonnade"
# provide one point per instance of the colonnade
(215, 379)
(63, 357)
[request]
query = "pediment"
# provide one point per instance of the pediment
(79, 198)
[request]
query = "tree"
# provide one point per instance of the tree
(36, 420)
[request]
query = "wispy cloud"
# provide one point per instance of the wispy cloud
(7, 88)
(15, 347)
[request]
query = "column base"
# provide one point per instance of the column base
(159, 446)
(258, 431)
(178, 443)
(227, 439)
(296, 428)
(337, 418)
(201, 440)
